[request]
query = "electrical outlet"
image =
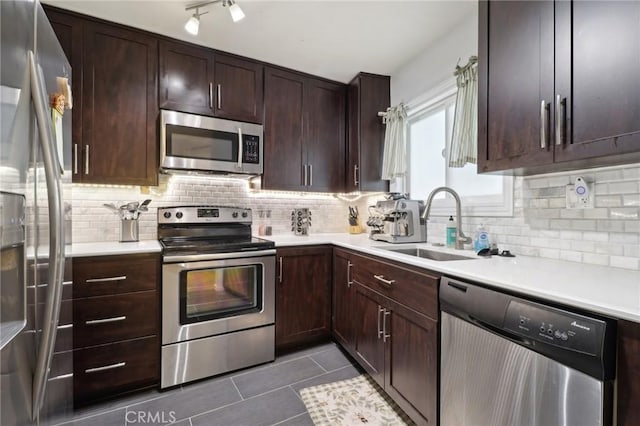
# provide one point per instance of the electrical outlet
(578, 195)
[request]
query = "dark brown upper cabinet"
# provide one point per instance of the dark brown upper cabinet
(114, 86)
(304, 133)
(198, 80)
(557, 87)
(186, 78)
(238, 88)
(119, 106)
(368, 94)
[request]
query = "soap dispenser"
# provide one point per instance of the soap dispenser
(452, 232)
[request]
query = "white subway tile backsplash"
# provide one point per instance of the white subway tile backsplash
(631, 200)
(608, 201)
(610, 225)
(596, 259)
(572, 256)
(625, 262)
(630, 187)
(624, 213)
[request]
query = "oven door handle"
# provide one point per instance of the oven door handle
(217, 256)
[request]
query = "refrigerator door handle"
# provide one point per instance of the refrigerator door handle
(56, 235)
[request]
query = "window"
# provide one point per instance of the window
(428, 136)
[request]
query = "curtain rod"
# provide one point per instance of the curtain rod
(472, 61)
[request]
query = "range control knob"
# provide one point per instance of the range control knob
(234, 215)
(179, 215)
(167, 215)
(245, 214)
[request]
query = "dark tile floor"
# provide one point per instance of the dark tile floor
(262, 395)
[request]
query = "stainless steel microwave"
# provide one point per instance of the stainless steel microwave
(198, 143)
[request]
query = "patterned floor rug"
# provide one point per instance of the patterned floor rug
(352, 402)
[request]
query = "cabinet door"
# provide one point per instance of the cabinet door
(68, 29)
(119, 106)
(368, 94)
(238, 89)
(515, 77)
(324, 135)
(369, 346)
(303, 295)
(283, 149)
(411, 362)
(343, 305)
(628, 410)
(186, 78)
(597, 74)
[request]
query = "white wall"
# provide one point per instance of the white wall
(437, 62)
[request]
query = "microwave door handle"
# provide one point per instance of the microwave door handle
(239, 148)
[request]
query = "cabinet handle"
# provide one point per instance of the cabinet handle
(86, 159)
(310, 175)
(559, 119)
(60, 377)
(356, 182)
(280, 271)
(64, 327)
(105, 320)
(349, 282)
(210, 95)
(219, 95)
(384, 281)
(385, 336)
(380, 332)
(75, 158)
(106, 367)
(304, 172)
(543, 124)
(102, 280)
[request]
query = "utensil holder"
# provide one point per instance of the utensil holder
(128, 230)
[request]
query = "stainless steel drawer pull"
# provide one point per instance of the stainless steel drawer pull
(349, 266)
(380, 331)
(65, 326)
(106, 367)
(355, 175)
(61, 377)
(280, 272)
(559, 119)
(104, 280)
(310, 175)
(219, 90)
(105, 320)
(210, 95)
(86, 159)
(543, 124)
(385, 336)
(75, 158)
(383, 280)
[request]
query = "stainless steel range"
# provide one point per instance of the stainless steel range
(218, 293)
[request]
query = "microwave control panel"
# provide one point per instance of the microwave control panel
(251, 149)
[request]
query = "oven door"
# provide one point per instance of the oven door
(224, 293)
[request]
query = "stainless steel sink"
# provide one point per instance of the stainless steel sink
(427, 254)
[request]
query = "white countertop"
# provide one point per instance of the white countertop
(610, 291)
(113, 248)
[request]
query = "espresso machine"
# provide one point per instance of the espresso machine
(397, 221)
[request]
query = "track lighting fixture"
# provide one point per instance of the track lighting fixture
(193, 24)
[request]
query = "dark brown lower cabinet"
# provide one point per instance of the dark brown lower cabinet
(343, 301)
(628, 373)
(398, 348)
(303, 296)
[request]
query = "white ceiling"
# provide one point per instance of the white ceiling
(333, 39)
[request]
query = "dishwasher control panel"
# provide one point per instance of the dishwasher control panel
(554, 326)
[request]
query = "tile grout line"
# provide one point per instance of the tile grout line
(264, 393)
(276, 363)
(290, 418)
(237, 390)
(316, 362)
(297, 394)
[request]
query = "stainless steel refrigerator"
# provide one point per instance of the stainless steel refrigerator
(36, 377)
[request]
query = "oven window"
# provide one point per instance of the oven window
(207, 294)
(192, 142)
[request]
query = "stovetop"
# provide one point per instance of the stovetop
(187, 246)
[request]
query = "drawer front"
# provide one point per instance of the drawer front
(417, 290)
(107, 319)
(103, 275)
(109, 369)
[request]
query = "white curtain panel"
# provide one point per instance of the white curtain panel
(463, 147)
(394, 162)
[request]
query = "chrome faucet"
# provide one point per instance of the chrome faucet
(461, 239)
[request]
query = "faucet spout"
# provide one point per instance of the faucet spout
(461, 239)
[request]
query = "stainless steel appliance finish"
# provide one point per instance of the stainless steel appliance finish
(35, 164)
(506, 360)
(203, 144)
(398, 221)
(218, 293)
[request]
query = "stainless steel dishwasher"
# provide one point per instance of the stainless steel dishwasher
(507, 360)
